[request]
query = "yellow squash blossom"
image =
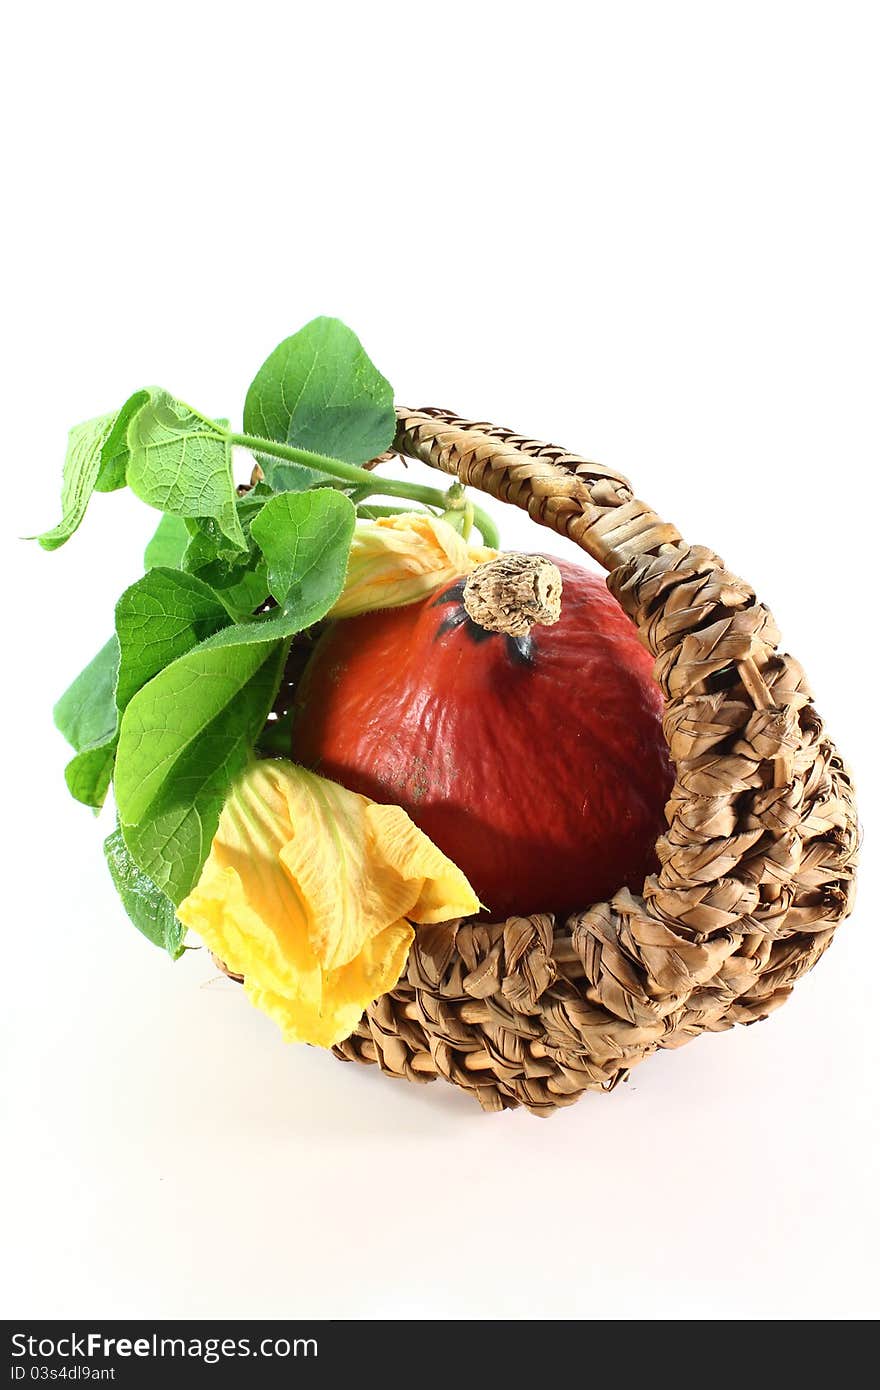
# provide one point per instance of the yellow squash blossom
(399, 559)
(309, 891)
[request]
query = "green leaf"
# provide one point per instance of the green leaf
(148, 907)
(89, 774)
(207, 541)
(181, 462)
(241, 589)
(238, 577)
(306, 538)
(86, 712)
(320, 391)
(96, 461)
(182, 740)
(168, 545)
(158, 619)
(115, 455)
(82, 465)
(319, 538)
(186, 733)
(86, 716)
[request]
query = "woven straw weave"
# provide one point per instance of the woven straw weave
(756, 866)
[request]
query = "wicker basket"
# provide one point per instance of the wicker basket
(756, 867)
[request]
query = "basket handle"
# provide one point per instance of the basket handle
(586, 502)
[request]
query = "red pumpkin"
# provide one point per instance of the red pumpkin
(536, 763)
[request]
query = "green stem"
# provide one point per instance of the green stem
(460, 516)
(362, 477)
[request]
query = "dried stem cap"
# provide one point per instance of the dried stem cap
(513, 593)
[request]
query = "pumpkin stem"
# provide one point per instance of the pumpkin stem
(513, 593)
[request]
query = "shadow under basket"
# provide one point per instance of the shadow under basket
(756, 865)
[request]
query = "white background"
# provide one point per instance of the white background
(647, 231)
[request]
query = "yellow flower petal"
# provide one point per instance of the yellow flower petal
(306, 893)
(399, 559)
(330, 1015)
(402, 845)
